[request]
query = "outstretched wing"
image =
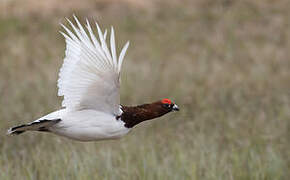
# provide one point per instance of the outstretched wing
(90, 75)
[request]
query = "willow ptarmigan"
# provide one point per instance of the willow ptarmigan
(89, 80)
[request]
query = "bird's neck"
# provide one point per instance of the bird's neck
(133, 115)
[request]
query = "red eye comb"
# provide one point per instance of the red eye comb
(166, 101)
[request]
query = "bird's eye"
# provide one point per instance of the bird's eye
(166, 105)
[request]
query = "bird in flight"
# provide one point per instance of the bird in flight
(89, 81)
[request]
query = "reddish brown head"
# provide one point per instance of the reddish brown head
(169, 105)
(136, 114)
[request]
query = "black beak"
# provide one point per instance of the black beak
(175, 108)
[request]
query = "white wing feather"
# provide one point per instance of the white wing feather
(90, 75)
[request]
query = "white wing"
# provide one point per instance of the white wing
(90, 75)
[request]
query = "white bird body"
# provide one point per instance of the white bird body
(86, 125)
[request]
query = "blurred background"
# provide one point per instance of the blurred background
(224, 62)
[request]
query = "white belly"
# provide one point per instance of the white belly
(89, 125)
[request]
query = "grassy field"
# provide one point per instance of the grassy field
(225, 63)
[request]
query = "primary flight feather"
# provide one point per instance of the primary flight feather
(89, 81)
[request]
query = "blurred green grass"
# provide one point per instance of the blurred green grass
(225, 63)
